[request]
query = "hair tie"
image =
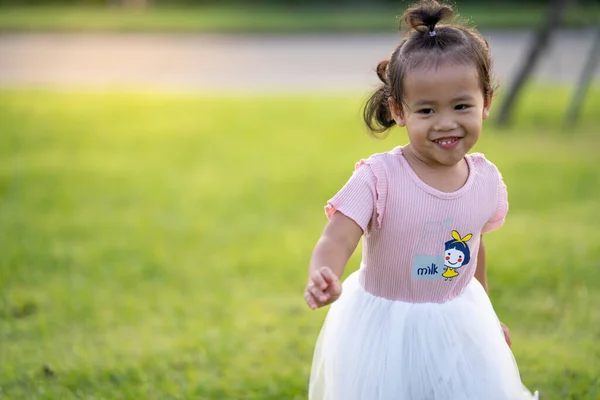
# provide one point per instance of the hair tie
(431, 29)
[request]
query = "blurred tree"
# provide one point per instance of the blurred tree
(551, 22)
(584, 80)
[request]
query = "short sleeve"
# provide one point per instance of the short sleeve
(362, 197)
(497, 219)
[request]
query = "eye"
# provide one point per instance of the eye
(461, 107)
(426, 111)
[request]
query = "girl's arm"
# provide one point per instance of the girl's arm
(481, 276)
(336, 244)
(329, 258)
(480, 272)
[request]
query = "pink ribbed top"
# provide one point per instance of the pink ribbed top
(419, 244)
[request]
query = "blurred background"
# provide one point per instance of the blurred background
(164, 167)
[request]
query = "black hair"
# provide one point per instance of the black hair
(426, 42)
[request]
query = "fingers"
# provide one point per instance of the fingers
(323, 288)
(316, 286)
(507, 337)
(334, 286)
(506, 332)
(311, 300)
(319, 279)
(316, 292)
(328, 275)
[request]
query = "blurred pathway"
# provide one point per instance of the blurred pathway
(243, 63)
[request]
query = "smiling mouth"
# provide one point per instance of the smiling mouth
(447, 141)
(451, 263)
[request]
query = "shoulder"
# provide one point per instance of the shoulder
(379, 167)
(484, 167)
(380, 160)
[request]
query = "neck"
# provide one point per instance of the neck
(445, 178)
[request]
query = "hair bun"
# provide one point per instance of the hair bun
(427, 14)
(382, 70)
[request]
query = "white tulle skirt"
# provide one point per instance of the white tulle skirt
(372, 348)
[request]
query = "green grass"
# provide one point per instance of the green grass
(155, 246)
(263, 19)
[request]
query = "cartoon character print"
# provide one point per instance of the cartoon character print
(456, 254)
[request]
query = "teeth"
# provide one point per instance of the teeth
(447, 141)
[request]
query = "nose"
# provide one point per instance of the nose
(445, 123)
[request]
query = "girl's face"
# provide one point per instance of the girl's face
(443, 113)
(454, 258)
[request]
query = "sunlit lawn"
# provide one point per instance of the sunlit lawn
(155, 246)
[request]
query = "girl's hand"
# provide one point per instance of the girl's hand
(323, 288)
(506, 334)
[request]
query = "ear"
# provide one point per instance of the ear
(396, 112)
(487, 104)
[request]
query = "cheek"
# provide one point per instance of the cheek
(417, 130)
(473, 124)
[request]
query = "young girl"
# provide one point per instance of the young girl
(415, 322)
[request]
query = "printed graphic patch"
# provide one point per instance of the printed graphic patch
(455, 256)
(428, 267)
